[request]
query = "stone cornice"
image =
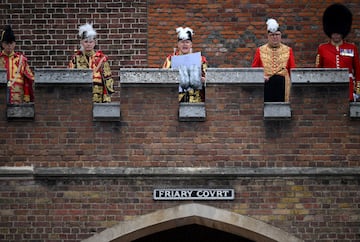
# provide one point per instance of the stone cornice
(233, 172)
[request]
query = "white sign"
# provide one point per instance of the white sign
(186, 60)
(193, 194)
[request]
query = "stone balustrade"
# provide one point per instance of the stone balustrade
(153, 77)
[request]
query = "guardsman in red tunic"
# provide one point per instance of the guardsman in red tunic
(338, 53)
(187, 91)
(88, 58)
(20, 78)
(277, 59)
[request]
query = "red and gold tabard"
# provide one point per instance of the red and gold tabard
(344, 55)
(276, 61)
(195, 95)
(103, 83)
(19, 76)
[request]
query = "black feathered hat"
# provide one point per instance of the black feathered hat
(337, 18)
(7, 35)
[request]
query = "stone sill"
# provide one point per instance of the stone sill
(106, 111)
(101, 111)
(20, 112)
(192, 112)
(354, 109)
(277, 110)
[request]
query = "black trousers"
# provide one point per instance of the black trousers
(274, 89)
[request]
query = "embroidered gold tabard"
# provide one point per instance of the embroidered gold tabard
(102, 76)
(275, 61)
(20, 77)
(89, 61)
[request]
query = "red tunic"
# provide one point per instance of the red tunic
(276, 61)
(342, 56)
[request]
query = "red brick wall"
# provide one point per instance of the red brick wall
(46, 31)
(227, 32)
(313, 209)
(149, 134)
(142, 33)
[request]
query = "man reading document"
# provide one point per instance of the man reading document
(191, 66)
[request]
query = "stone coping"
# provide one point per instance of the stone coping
(57, 76)
(48, 172)
(63, 76)
(131, 76)
(243, 76)
(213, 76)
(319, 76)
(148, 76)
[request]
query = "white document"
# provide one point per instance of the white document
(186, 60)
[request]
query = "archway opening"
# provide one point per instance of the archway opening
(192, 232)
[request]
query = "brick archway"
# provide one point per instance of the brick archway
(193, 213)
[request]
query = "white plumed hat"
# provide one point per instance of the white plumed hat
(86, 31)
(272, 25)
(184, 33)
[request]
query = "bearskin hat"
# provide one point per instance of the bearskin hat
(184, 33)
(337, 18)
(7, 35)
